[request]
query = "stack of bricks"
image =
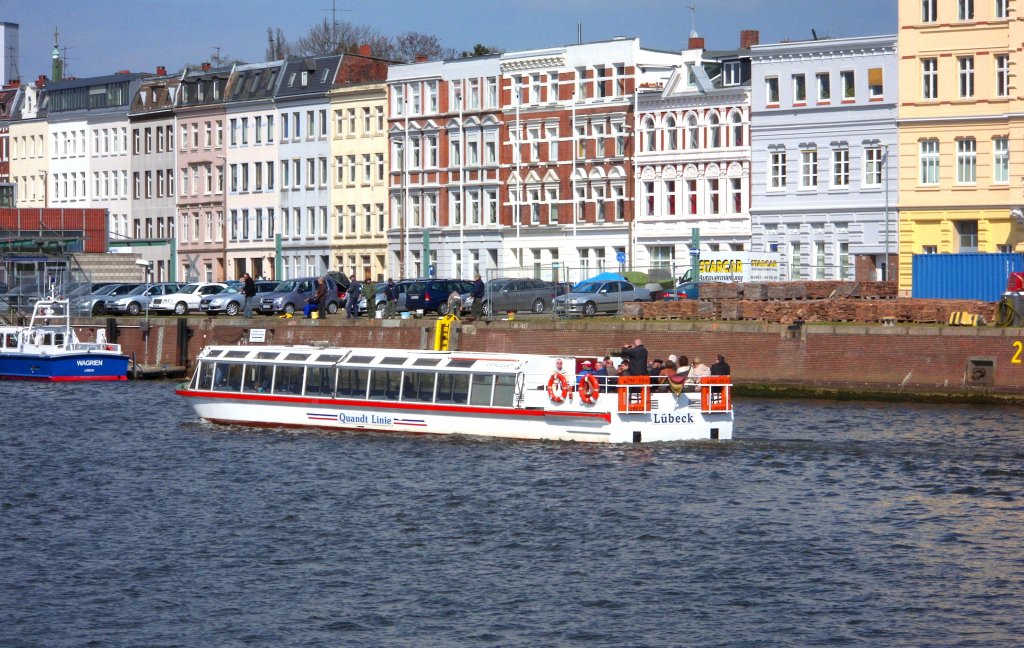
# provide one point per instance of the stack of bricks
(811, 301)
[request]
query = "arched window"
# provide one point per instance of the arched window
(692, 132)
(714, 131)
(736, 128)
(671, 135)
(650, 135)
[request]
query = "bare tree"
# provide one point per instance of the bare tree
(481, 50)
(410, 45)
(325, 38)
(277, 45)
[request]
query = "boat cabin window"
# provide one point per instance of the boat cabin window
(385, 384)
(360, 359)
(258, 379)
(393, 361)
(453, 388)
(352, 382)
(427, 362)
(10, 340)
(288, 380)
(297, 357)
(328, 357)
(58, 339)
(236, 354)
(319, 381)
(228, 376)
(482, 384)
(419, 386)
(461, 364)
(215, 353)
(204, 377)
(504, 390)
(267, 355)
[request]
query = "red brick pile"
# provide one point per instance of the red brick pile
(809, 301)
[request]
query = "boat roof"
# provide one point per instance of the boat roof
(313, 355)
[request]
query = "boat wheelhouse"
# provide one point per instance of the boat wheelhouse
(48, 349)
(446, 392)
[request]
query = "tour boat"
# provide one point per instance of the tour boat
(500, 395)
(49, 350)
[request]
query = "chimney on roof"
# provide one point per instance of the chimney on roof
(749, 38)
(41, 81)
(421, 58)
(206, 67)
(695, 42)
(364, 50)
(161, 70)
(124, 72)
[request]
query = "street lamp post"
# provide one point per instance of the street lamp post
(885, 190)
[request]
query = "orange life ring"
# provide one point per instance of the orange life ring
(558, 387)
(589, 389)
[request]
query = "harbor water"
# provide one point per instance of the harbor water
(125, 521)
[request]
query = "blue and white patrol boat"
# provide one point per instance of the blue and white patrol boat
(49, 350)
(512, 396)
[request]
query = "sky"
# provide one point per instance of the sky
(104, 36)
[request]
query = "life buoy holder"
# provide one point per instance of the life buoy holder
(558, 387)
(589, 389)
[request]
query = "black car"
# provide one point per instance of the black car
(431, 295)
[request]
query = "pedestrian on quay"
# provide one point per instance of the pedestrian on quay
(248, 291)
(355, 290)
(478, 298)
(390, 299)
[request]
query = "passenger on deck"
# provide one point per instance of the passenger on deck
(586, 369)
(698, 370)
(601, 371)
(684, 367)
(666, 371)
(636, 355)
(654, 368)
(721, 367)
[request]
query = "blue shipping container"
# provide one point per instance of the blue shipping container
(978, 276)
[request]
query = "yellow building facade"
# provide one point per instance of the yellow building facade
(961, 133)
(359, 187)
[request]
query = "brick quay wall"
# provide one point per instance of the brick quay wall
(832, 360)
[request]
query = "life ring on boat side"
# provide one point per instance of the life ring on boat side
(589, 389)
(558, 387)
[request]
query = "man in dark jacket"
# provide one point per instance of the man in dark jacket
(636, 354)
(478, 298)
(390, 299)
(355, 291)
(721, 367)
(248, 291)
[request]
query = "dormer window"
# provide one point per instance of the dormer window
(305, 78)
(323, 77)
(731, 73)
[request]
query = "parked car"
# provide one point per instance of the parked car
(138, 299)
(292, 294)
(685, 290)
(592, 297)
(232, 301)
(21, 297)
(503, 295)
(95, 303)
(431, 295)
(186, 299)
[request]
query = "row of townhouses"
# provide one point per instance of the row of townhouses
(844, 156)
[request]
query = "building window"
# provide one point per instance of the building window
(966, 161)
(1002, 75)
(736, 195)
(849, 86)
(808, 169)
(875, 85)
(965, 10)
(929, 159)
(736, 127)
(771, 90)
(928, 11)
(731, 73)
(841, 167)
(967, 232)
(966, 64)
(930, 78)
(799, 88)
(1002, 8)
(778, 170)
(824, 87)
(872, 166)
(1001, 160)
